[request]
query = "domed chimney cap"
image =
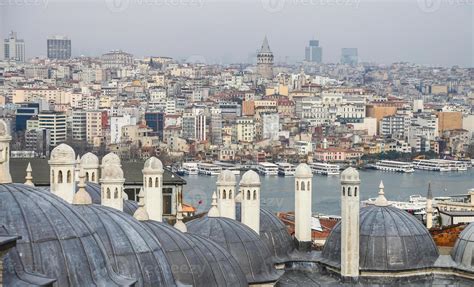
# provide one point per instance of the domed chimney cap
(250, 178)
(226, 176)
(63, 153)
(111, 159)
(112, 172)
(89, 160)
(153, 164)
(303, 170)
(350, 175)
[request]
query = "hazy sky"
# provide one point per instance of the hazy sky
(432, 32)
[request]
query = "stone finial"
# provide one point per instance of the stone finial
(141, 214)
(430, 194)
(82, 197)
(29, 177)
(381, 200)
(179, 220)
(214, 211)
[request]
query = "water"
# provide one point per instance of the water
(277, 193)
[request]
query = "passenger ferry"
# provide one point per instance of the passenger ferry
(267, 168)
(431, 165)
(397, 166)
(190, 168)
(324, 168)
(209, 169)
(286, 169)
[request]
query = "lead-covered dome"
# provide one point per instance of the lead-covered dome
(196, 261)
(132, 250)
(250, 177)
(390, 239)
(63, 153)
(55, 240)
(89, 160)
(242, 243)
(463, 251)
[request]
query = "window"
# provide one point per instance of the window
(116, 193)
(343, 191)
(60, 176)
(254, 194)
(230, 194)
(297, 185)
(157, 182)
(52, 176)
(108, 193)
(248, 194)
(355, 191)
(87, 176)
(349, 191)
(93, 176)
(150, 182)
(223, 194)
(302, 185)
(308, 186)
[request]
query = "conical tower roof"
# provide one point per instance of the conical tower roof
(265, 47)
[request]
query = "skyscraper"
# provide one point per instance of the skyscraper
(349, 56)
(313, 53)
(14, 49)
(59, 48)
(265, 61)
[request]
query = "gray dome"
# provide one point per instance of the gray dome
(274, 233)
(390, 239)
(242, 243)
(55, 240)
(196, 261)
(129, 206)
(132, 250)
(463, 251)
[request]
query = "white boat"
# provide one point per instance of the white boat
(190, 168)
(397, 166)
(209, 169)
(267, 168)
(286, 169)
(456, 165)
(431, 164)
(324, 168)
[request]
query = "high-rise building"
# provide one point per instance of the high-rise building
(313, 53)
(23, 113)
(93, 126)
(216, 126)
(116, 125)
(79, 126)
(271, 126)
(14, 49)
(58, 47)
(194, 127)
(56, 123)
(156, 121)
(2, 78)
(265, 61)
(349, 56)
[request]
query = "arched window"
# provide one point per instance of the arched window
(52, 176)
(248, 194)
(60, 176)
(69, 179)
(302, 185)
(349, 191)
(230, 194)
(223, 194)
(87, 176)
(150, 182)
(343, 191)
(308, 185)
(297, 185)
(156, 182)
(116, 193)
(355, 191)
(93, 176)
(254, 194)
(108, 193)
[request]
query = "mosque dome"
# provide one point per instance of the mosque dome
(391, 239)
(250, 177)
(132, 250)
(111, 159)
(112, 172)
(196, 261)
(129, 206)
(350, 174)
(153, 164)
(55, 240)
(63, 153)
(242, 243)
(226, 176)
(462, 252)
(89, 160)
(303, 170)
(274, 233)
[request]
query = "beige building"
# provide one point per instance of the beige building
(245, 130)
(93, 126)
(449, 121)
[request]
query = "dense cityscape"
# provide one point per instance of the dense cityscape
(150, 170)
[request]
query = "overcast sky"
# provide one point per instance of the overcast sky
(432, 32)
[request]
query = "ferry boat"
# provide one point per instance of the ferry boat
(267, 168)
(209, 169)
(431, 164)
(324, 168)
(190, 168)
(286, 169)
(456, 165)
(397, 166)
